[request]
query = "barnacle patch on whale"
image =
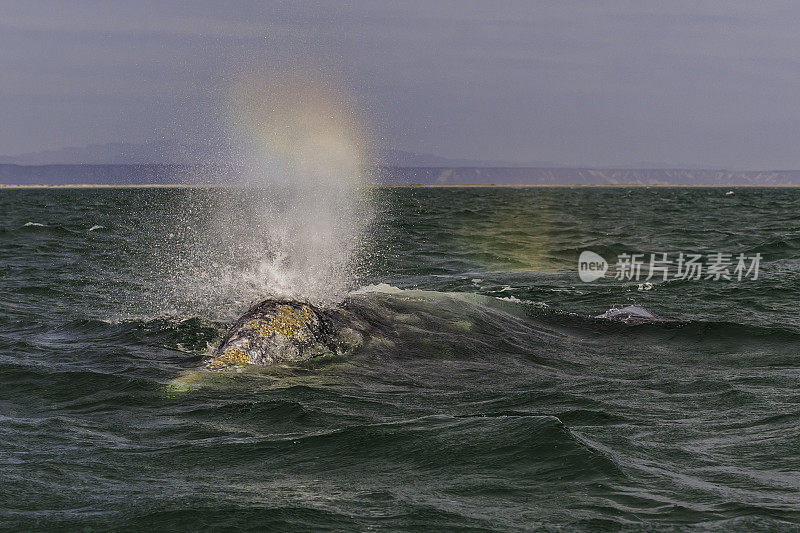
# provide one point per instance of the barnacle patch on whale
(232, 356)
(288, 322)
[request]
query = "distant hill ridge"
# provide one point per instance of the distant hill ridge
(588, 176)
(451, 175)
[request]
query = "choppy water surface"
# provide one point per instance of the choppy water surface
(487, 397)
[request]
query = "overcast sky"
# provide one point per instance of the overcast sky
(582, 83)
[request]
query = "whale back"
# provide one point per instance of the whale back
(275, 331)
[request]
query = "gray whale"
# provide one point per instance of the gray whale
(281, 330)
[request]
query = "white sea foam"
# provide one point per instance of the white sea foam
(34, 224)
(96, 227)
(384, 288)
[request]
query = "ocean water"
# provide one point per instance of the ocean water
(487, 396)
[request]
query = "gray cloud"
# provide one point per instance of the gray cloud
(594, 83)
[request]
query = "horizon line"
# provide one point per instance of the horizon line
(407, 186)
(385, 166)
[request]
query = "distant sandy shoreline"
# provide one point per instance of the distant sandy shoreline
(414, 186)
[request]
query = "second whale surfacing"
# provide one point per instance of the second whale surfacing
(282, 330)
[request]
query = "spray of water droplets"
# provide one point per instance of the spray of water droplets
(288, 217)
